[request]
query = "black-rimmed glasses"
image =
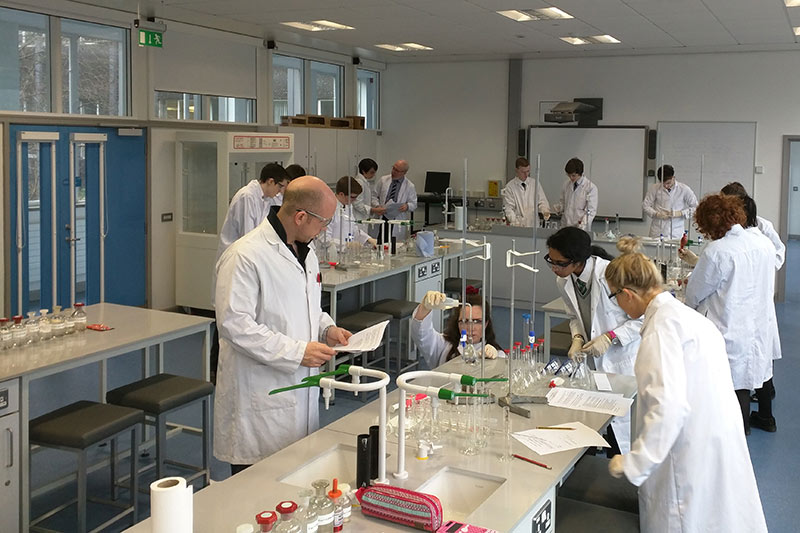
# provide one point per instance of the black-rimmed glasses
(559, 264)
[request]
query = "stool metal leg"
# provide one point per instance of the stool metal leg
(113, 469)
(82, 491)
(135, 472)
(161, 444)
(206, 438)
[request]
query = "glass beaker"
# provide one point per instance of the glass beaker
(580, 378)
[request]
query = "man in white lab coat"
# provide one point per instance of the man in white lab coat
(669, 204)
(248, 208)
(362, 206)
(521, 195)
(273, 332)
(733, 285)
(599, 327)
(344, 223)
(396, 197)
(578, 197)
(689, 457)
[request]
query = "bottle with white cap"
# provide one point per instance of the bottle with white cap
(323, 506)
(347, 502)
(288, 522)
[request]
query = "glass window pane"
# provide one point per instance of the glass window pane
(326, 89)
(230, 109)
(287, 86)
(178, 106)
(94, 68)
(199, 187)
(24, 61)
(367, 97)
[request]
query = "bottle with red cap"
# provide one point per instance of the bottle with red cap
(338, 511)
(266, 520)
(5, 334)
(288, 523)
(19, 334)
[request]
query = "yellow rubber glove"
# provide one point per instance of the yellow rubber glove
(575, 347)
(433, 300)
(597, 346)
(688, 256)
(490, 352)
(616, 466)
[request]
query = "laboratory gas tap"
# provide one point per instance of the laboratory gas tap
(327, 381)
(436, 393)
(448, 192)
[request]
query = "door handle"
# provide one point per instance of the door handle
(10, 462)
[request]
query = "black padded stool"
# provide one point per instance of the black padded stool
(77, 427)
(401, 312)
(360, 320)
(160, 395)
(453, 285)
(591, 483)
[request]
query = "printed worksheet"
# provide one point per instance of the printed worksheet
(566, 437)
(365, 340)
(596, 402)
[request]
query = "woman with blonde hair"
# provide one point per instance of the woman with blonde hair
(733, 285)
(689, 457)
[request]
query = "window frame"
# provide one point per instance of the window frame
(309, 105)
(203, 107)
(377, 119)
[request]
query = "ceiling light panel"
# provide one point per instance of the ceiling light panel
(318, 25)
(404, 47)
(797, 30)
(594, 39)
(525, 15)
(792, 3)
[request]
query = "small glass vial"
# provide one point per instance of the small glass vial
(266, 521)
(69, 325)
(32, 327)
(19, 333)
(45, 328)
(306, 512)
(5, 334)
(57, 322)
(323, 506)
(347, 502)
(338, 512)
(78, 318)
(288, 522)
(246, 528)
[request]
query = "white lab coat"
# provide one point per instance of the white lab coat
(679, 198)
(247, 209)
(518, 202)
(406, 194)
(363, 203)
(268, 309)
(689, 457)
(580, 205)
(769, 232)
(607, 315)
(341, 226)
(432, 344)
(733, 285)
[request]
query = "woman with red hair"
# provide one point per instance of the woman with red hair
(733, 285)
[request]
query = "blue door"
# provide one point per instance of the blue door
(77, 204)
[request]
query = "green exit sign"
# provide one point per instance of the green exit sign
(151, 38)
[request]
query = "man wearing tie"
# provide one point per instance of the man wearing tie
(578, 196)
(520, 197)
(396, 197)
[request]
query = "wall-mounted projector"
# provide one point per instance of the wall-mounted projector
(584, 111)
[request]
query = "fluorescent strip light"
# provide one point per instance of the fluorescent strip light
(792, 3)
(318, 25)
(415, 46)
(392, 47)
(554, 13)
(606, 39)
(575, 40)
(797, 30)
(403, 47)
(514, 14)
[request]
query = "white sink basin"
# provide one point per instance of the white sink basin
(336, 462)
(460, 491)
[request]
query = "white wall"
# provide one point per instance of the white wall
(436, 114)
(759, 86)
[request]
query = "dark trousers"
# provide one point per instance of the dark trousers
(764, 397)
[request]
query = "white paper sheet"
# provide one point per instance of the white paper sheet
(596, 402)
(365, 340)
(602, 382)
(546, 441)
(392, 209)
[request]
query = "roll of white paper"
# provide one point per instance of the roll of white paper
(459, 214)
(171, 505)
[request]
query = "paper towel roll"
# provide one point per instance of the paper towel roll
(171, 505)
(459, 220)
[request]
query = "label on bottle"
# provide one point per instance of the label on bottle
(323, 519)
(347, 510)
(311, 527)
(19, 333)
(7, 335)
(32, 328)
(338, 520)
(45, 328)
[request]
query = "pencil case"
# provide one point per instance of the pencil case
(402, 506)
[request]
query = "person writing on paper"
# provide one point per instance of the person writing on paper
(578, 197)
(362, 206)
(273, 332)
(343, 224)
(668, 203)
(599, 327)
(396, 197)
(733, 284)
(689, 457)
(437, 348)
(519, 197)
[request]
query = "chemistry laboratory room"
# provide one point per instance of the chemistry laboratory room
(399, 265)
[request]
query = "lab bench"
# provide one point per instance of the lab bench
(134, 329)
(507, 496)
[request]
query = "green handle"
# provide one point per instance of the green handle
(468, 380)
(340, 370)
(470, 395)
(446, 394)
(485, 380)
(293, 387)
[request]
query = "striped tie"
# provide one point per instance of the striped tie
(393, 190)
(582, 288)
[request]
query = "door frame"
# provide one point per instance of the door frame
(783, 221)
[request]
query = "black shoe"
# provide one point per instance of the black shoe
(754, 398)
(764, 423)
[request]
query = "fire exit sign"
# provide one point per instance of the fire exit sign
(151, 38)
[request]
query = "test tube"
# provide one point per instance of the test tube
(506, 456)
